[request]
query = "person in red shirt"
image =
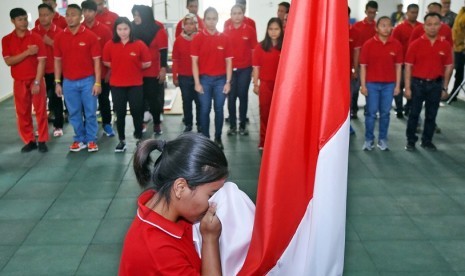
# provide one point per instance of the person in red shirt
(212, 55)
(354, 52)
(283, 8)
(428, 68)
(265, 66)
(47, 30)
(104, 15)
(77, 54)
(402, 33)
(247, 20)
(126, 57)
(25, 53)
(182, 70)
(89, 10)
(193, 7)
(380, 69)
(189, 170)
(244, 39)
(445, 31)
(58, 20)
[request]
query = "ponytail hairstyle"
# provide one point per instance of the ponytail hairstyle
(267, 43)
(191, 156)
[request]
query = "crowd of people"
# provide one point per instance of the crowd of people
(77, 61)
(396, 57)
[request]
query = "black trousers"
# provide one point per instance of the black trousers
(154, 96)
(55, 103)
(459, 59)
(121, 96)
(104, 103)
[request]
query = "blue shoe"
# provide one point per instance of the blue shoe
(108, 130)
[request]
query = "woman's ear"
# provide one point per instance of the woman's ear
(179, 187)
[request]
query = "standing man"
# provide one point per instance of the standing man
(397, 16)
(193, 7)
(445, 33)
(104, 34)
(458, 34)
(58, 20)
(77, 54)
(428, 68)
(104, 15)
(25, 53)
(448, 16)
(283, 8)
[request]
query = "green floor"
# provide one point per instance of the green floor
(65, 213)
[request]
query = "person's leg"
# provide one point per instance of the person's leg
(355, 90)
(385, 102)
(459, 60)
(149, 86)
(218, 100)
(399, 99)
(120, 98)
(23, 106)
(55, 103)
(232, 99)
(40, 106)
(136, 105)
(187, 98)
(432, 99)
(104, 103)
(89, 103)
(159, 101)
(73, 101)
(265, 96)
(205, 100)
(372, 107)
(244, 78)
(417, 99)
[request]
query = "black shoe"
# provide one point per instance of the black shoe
(400, 115)
(437, 130)
(29, 147)
(410, 146)
(121, 147)
(243, 131)
(406, 112)
(428, 146)
(247, 121)
(219, 143)
(43, 147)
(232, 131)
(187, 129)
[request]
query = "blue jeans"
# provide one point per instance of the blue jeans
(187, 86)
(379, 99)
(212, 90)
(239, 89)
(79, 100)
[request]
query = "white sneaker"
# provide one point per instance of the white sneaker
(57, 132)
(383, 145)
(368, 145)
(147, 117)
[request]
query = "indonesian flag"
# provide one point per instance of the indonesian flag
(299, 226)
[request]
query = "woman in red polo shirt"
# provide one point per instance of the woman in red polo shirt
(189, 170)
(127, 58)
(265, 65)
(380, 71)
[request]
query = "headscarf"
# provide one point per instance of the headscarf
(193, 17)
(147, 30)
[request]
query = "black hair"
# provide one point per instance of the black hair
(412, 6)
(371, 4)
(381, 18)
(89, 5)
(286, 5)
(189, 1)
(147, 30)
(435, 4)
(122, 20)
(191, 156)
(209, 9)
(432, 14)
(349, 10)
(16, 12)
(75, 6)
(45, 6)
(267, 43)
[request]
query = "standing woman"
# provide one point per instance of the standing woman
(127, 58)
(212, 69)
(182, 70)
(381, 59)
(265, 65)
(156, 38)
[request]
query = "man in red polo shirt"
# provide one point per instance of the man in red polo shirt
(104, 15)
(77, 54)
(58, 20)
(247, 20)
(445, 31)
(193, 7)
(25, 53)
(402, 33)
(104, 34)
(428, 68)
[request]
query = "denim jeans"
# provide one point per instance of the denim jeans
(212, 90)
(239, 89)
(379, 99)
(189, 95)
(79, 100)
(430, 93)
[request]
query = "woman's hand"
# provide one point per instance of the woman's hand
(210, 225)
(198, 87)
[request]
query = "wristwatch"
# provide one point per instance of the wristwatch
(36, 82)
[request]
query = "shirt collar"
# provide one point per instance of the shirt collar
(82, 28)
(205, 32)
(389, 40)
(26, 33)
(365, 21)
(53, 27)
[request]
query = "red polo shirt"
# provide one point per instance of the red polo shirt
(445, 33)
(267, 61)
(52, 31)
(428, 60)
(366, 30)
(104, 34)
(179, 26)
(77, 52)
(244, 40)
(157, 246)
(126, 62)
(402, 33)
(13, 45)
(247, 20)
(182, 61)
(107, 17)
(380, 59)
(212, 51)
(58, 20)
(354, 43)
(158, 43)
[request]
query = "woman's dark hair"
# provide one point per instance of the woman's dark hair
(210, 9)
(382, 18)
(122, 20)
(147, 30)
(266, 43)
(17, 12)
(191, 156)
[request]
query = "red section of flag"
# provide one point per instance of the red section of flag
(310, 103)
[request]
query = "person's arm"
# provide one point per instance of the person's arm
(35, 86)
(58, 70)
(107, 64)
(210, 228)
(163, 65)
(447, 74)
(30, 51)
(255, 80)
(227, 86)
(356, 58)
(97, 89)
(398, 78)
(363, 83)
(408, 81)
(195, 73)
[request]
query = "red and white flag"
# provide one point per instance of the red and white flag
(299, 226)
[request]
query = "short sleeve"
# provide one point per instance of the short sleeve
(228, 52)
(253, 41)
(410, 56)
(57, 52)
(42, 53)
(448, 52)
(364, 54)
(106, 54)
(176, 49)
(95, 48)
(6, 51)
(399, 53)
(162, 39)
(256, 57)
(146, 56)
(195, 45)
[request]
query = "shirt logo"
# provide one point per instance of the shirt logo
(392, 53)
(82, 44)
(442, 53)
(220, 47)
(108, 22)
(245, 38)
(99, 38)
(132, 54)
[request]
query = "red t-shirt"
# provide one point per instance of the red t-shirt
(126, 62)
(52, 31)
(247, 20)
(366, 30)
(77, 52)
(445, 33)
(182, 61)
(402, 33)
(380, 59)
(244, 40)
(354, 43)
(179, 26)
(157, 246)
(428, 60)
(13, 45)
(107, 17)
(158, 43)
(104, 34)
(58, 20)
(212, 51)
(267, 61)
